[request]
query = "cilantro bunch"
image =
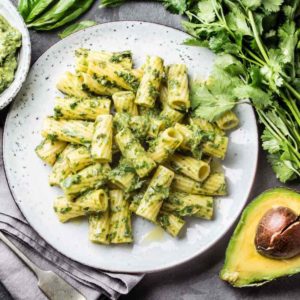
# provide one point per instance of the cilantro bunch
(258, 47)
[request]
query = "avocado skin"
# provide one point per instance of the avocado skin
(229, 272)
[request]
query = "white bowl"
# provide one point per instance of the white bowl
(8, 11)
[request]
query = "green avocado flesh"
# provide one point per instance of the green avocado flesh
(244, 266)
(10, 42)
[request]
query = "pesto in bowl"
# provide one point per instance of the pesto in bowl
(10, 43)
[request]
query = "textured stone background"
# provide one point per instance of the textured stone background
(197, 279)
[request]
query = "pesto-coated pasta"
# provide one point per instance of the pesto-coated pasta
(170, 116)
(85, 109)
(120, 220)
(93, 201)
(124, 103)
(114, 149)
(99, 85)
(91, 177)
(191, 167)
(119, 76)
(79, 158)
(206, 126)
(217, 147)
(73, 131)
(156, 192)
(228, 121)
(214, 185)
(124, 176)
(99, 227)
(148, 90)
(178, 87)
(72, 85)
(183, 204)
(48, 150)
(133, 150)
(101, 148)
(61, 168)
(83, 56)
(166, 144)
(170, 223)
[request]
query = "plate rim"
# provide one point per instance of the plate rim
(26, 45)
(157, 269)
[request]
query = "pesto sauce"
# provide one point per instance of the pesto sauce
(10, 42)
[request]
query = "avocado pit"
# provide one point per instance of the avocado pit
(278, 234)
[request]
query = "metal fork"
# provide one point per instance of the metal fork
(50, 283)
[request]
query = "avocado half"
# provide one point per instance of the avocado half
(244, 266)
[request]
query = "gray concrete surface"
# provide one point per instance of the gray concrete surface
(197, 279)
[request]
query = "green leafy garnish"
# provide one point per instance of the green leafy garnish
(76, 27)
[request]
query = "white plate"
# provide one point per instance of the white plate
(28, 176)
(9, 12)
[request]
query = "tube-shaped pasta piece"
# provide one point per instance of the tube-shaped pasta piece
(98, 85)
(133, 151)
(139, 126)
(187, 136)
(66, 209)
(116, 74)
(76, 109)
(120, 219)
(61, 168)
(124, 103)
(150, 83)
(93, 201)
(99, 227)
(206, 126)
(217, 147)
(157, 191)
(165, 144)
(214, 185)
(73, 131)
(170, 116)
(72, 85)
(83, 56)
(192, 138)
(183, 204)
(228, 120)
(91, 177)
(79, 159)
(191, 167)
(124, 176)
(163, 95)
(156, 125)
(178, 87)
(48, 150)
(101, 148)
(170, 223)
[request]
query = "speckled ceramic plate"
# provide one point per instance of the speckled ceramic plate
(28, 176)
(9, 12)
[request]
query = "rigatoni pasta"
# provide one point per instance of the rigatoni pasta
(101, 148)
(178, 87)
(148, 90)
(48, 150)
(81, 109)
(123, 140)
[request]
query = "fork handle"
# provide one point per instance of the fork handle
(24, 258)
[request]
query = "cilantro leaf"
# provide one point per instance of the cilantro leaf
(283, 169)
(209, 106)
(176, 6)
(259, 98)
(206, 12)
(272, 5)
(195, 42)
